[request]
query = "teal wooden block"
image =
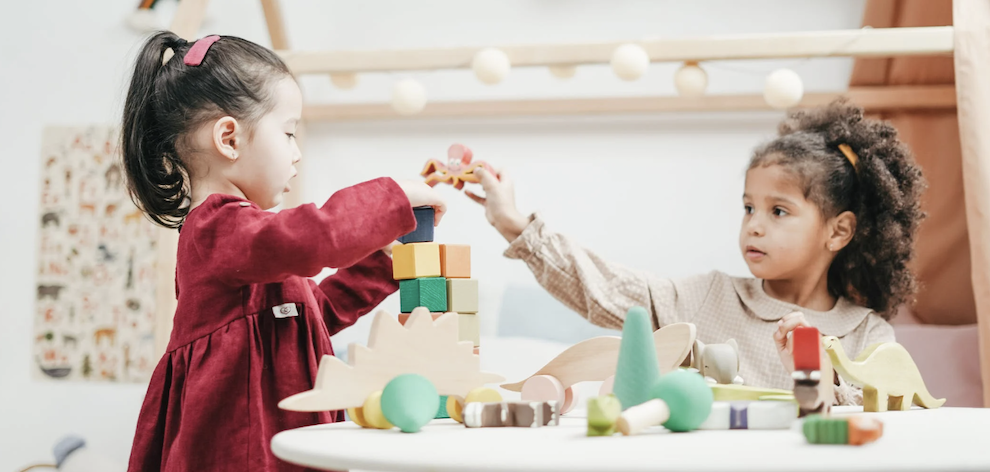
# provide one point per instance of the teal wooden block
(429, 292)
(442, 411)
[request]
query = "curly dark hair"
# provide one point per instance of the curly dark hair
(883, 190)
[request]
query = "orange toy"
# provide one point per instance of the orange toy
(457, 170)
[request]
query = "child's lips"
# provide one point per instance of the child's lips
(754, 254)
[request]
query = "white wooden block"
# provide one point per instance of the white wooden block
(469, 328)
(718, 418)
(771, 414)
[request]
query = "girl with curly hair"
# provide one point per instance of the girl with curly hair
(831, 209)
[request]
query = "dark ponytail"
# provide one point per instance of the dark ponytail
(883, 190)
(166, 101)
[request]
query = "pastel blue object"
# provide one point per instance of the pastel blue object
(409, 401)
(637, 370)
(424, 227)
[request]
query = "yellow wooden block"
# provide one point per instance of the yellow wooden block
(455, 404)
(468, 328)
(372, 410)
(412, 261)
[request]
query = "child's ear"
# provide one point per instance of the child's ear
(227, 137)
(843, 230)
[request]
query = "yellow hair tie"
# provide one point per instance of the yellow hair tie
(848, 152)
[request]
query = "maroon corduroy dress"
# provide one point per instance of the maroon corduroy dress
(250, 327)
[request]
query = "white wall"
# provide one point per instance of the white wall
(660, 193)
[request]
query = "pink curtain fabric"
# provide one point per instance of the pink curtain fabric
(971, 19)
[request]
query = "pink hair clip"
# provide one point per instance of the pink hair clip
(194, 56)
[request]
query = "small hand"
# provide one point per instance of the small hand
(388, 249)
(500, 203)
(783, 339)
(421, 195)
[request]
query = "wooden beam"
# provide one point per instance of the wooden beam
(871, 98)
(276, 24)
(867, 42)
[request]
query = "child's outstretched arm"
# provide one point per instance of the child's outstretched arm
(255, 246)
(600, 291)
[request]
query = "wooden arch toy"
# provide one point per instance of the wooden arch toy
(595, 359)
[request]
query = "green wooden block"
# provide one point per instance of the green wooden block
(429, 292)
(821, 430)
(603, 413)
(638, 369)
(442, 411)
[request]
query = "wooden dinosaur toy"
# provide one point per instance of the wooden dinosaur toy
(886, 373)
(458, 169)
(596, 359)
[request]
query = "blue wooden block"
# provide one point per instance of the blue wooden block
(424, 227)
(739, 414)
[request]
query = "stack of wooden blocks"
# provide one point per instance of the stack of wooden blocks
(436, 276)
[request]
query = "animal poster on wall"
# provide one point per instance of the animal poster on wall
(95, 300)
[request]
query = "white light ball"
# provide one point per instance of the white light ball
(408, 97)
(691, 81)
(491, 65)
(630, 61)
(563, 71)
(783, 89)
(344, 81)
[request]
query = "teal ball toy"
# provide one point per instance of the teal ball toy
(688, 396)
(409, 401)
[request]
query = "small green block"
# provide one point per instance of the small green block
(429, 292)
(603, 413)
(442, 411)
(820, 430)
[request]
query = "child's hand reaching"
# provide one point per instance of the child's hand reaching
(421, 195)
(783, 339)
(500, 203)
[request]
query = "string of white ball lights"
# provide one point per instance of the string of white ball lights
(783, 88)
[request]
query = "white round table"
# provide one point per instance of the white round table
(942, 439)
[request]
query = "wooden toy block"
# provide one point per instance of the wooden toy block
(455, 404)
(372, 411)
(404, 317)
(852, 430)
(455, 261)
(513, 414)
(477, 351)
(462, 295)
(442, 411)
(412, 261)
(719, 418)
(425, 347)
(637, 369)
(469, 328)
(595, 359)
(732, 392)
(428, 292)
(603, 413)
(751, 415)
(813, 393)
(424, 227)
(886, 373)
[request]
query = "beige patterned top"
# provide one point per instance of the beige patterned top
(721, 306)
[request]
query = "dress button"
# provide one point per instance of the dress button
(245, 204)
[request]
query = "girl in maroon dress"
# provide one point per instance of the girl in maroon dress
(208, 146)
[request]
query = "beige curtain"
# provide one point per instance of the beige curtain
(972, 67)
